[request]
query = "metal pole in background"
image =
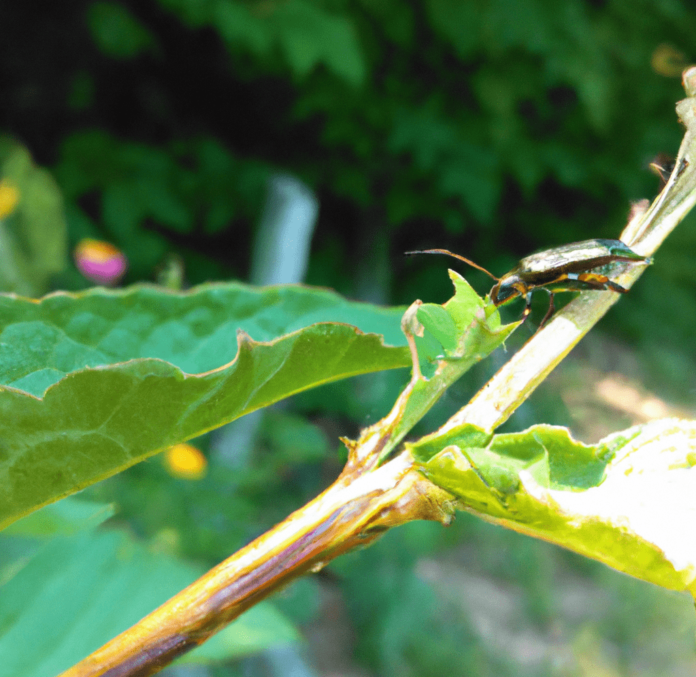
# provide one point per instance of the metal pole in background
(280, 256)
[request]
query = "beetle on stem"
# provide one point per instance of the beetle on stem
(579, 266)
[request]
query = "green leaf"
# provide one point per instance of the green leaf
(122, 211)
(179, 188)
(33, 239)
(455, 326)
(477, 333)
(465, 304)
(98, 381)
(454, 152)
(457, 22)
(193, 12)
(259, 628)
(116, 31)
(439, 323)
(61, 518)
(627, 502)
(473, 176)
(310, 36)
(238, 25)
(555, 457)
(292, 439)
(77, 593)
(306, 34)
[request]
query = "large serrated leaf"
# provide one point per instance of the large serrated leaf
(77, 593)
(628, 502)
(99, 381)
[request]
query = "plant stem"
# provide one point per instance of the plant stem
(520, 375)
(353, 511)
(367, 499)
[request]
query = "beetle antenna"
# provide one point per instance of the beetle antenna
(456, 256)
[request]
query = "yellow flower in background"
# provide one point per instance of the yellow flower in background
(99, 261)
(186, 462)
(668, 61)
(9, 198)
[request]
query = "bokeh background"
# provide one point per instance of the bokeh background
(185, 133)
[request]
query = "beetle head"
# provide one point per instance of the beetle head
(508, 288)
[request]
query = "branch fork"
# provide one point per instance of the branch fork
(381, 487)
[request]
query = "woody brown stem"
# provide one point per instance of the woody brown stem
(352, 512)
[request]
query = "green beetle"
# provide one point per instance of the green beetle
(579, 266)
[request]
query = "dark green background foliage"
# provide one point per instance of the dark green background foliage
(491, 128)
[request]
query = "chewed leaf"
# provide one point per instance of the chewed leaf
(466, 326)
(629, 502)
(440, 324)
(80, 408)
(469, 330)
(466, 436)
(465, 302)
(553, 456)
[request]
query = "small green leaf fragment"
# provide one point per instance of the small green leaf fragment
(440, 324)
(465, 436)
(462, 307)
(569, 463)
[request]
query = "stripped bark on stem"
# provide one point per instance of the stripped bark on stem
(520, 376)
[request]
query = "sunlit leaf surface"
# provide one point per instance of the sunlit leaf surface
(627, 502)
(98, 381)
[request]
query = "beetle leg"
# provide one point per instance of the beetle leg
(528, 306)
(549, 312)
(597, 281)
(592, 280)
(616, 287)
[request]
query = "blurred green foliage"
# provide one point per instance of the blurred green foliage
(33, 237)
(188, 184)
(489, 127)
(71, 591)
(116, 31)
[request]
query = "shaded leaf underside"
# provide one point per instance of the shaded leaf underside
(77, 593)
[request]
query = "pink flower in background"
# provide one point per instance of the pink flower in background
(100, 261)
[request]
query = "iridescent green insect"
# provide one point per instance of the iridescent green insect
(579, 266)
